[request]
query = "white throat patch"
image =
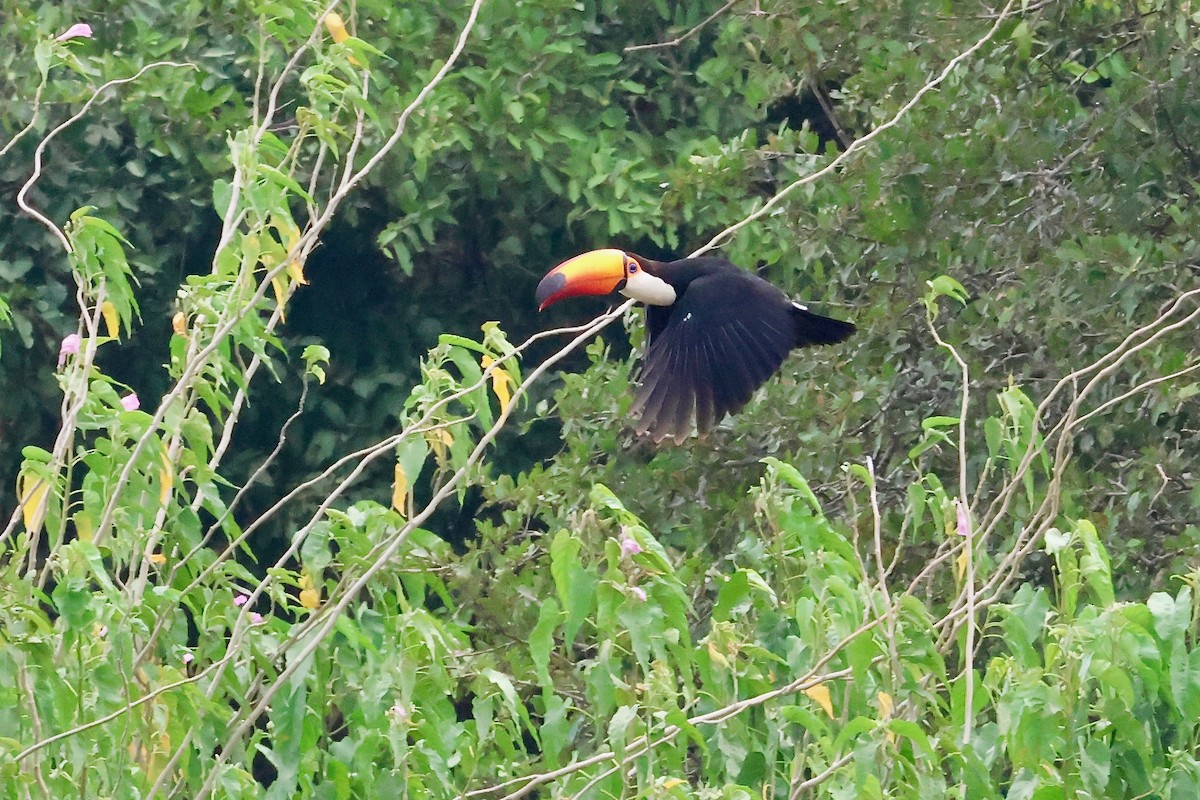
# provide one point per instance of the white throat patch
(648, 289)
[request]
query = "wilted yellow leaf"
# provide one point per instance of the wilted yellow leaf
(717, 656)
(179, 323)
(671, 783)
(336, 27)
(501, 381)
(32, 494)
(819, 694)
(886, 704)
(280, 289)
(166, 477)
(295, 271)
(157, 559)
(310, 598)
(112, 323)
(439, 440)
(960, 565)
(399, 488)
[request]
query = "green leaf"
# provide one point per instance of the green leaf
(618, 728)
(541, 641)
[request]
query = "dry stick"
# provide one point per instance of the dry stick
(863, 141)
(41, 148)
(963, 512)
(1114, 360)
(678, 40)
(162, 619)
(298, 252)
(642, 744)
(999, 506)
(33, 119)
(811, 678)
(1043, 518)
(823, 776)
(330, 614)
(370, 452)
(128, 707)
(858, 144)
(70, 412)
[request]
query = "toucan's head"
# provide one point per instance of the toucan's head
(604, 272)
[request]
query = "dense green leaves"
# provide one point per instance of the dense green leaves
(289, 522)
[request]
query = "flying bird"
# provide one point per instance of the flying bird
(716, 332)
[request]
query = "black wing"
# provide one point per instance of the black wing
(725, 335)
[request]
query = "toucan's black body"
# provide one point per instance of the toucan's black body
(723, 333)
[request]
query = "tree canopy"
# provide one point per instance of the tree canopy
(309, 501)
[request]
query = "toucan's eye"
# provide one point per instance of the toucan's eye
(633, 267)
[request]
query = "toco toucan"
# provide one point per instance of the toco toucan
(716, 332)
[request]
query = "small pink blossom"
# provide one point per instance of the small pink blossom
(241, 600)
(964, 518)
(399, 713)
(80, 30)
(256, 618)
(639, 593)
(629, 545)
(188, 658)
(69, 347)
(130, 402)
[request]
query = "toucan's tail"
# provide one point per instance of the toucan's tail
(814, 329)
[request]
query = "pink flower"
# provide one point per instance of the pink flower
(629, 545)
(639, 593)
(80, 30)
(130, 402)
(241, 600)
(256, 618)
(188, 658)
(964, 519)
(69, 347)
(399, 713)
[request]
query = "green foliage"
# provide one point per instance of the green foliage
(874, 581)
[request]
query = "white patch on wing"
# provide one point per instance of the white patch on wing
(800, 306)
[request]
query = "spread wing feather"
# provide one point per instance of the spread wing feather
(724, 336)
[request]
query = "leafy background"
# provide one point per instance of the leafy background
(579, 590)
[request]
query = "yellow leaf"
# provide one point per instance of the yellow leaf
(886, 704)
(166, 478)
(501, 381)
(439, 440)
(157, 559)
(295, 271)
(819, 694)
(336, 27)
(280, 294)
(111, 322)
(717, 656)
(33, 494)
(671, 783)
(179, 323)
(310, 598)
(399, 488)
(960, 565)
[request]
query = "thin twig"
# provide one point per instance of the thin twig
(678, 40)
(862, 141)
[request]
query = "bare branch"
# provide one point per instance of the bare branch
(678, 40)
(861, 142)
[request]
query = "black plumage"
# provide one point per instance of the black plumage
(727, 332)
(716, 332)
